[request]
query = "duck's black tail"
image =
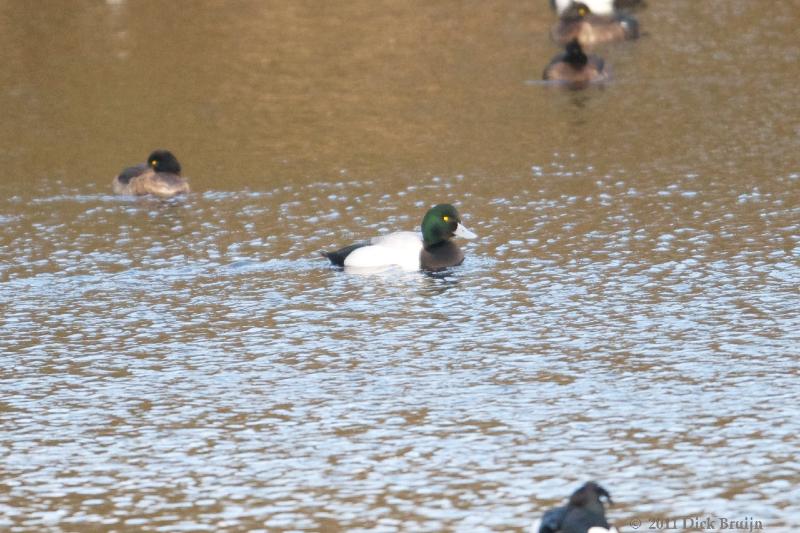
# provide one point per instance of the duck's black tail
(337, 258)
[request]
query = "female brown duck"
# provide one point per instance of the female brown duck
(574, 68)
(160, 176)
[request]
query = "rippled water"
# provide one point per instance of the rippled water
(628, 314)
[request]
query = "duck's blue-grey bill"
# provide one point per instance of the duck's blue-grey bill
(461, 231)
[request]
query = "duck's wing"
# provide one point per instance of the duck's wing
(581, 519)
(552, 520)
(131, 172)
(551, 71)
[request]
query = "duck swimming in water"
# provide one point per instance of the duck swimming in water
(159, 176)
(574, 68)
(584, 513)
(432, 250)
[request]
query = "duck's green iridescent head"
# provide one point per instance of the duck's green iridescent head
(441, 223)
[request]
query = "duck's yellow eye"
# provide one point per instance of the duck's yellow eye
(153, 163)
(446, 218)
(582, 11)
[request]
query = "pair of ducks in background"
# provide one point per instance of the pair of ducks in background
(587, 23)
(432, 250)
(581, 23)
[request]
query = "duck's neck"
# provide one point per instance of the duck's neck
(435, 245)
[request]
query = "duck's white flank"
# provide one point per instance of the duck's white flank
(598, 7)
(401, 249)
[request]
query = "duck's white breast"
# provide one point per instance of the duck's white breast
(396, 249)
(598, 7)
(562, 5)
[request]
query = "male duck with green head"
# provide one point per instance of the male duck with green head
(433, 250)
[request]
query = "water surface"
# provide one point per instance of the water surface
(628, 314)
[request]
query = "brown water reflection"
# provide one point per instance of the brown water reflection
(628, 314)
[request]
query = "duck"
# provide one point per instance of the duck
(584, 513)
(433, 250)
(159, 176)
(575, 68)
(578, 21)
(599, 7)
